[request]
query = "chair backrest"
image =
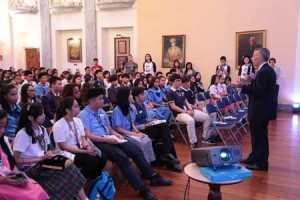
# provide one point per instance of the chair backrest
(243, 96)
(237, 97)
(231, 99)
(220, 104)
(225, 101)
(211, 108)
(207, 95)
(200, 97)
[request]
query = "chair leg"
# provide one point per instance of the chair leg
(181, 133)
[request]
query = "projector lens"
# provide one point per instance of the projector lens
(225, 155)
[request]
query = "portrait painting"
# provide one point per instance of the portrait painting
(74, 47)
(247, 42)
(122, 50)
(173, 48)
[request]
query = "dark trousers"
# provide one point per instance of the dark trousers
(161, 132)
(91, 166)
(119, 154)
(276, 99)
(260, 143)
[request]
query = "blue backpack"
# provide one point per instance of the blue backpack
(103, 188)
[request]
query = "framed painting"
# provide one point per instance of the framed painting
(173, 48)
(74, 47)
(122, 50)
(247, 42)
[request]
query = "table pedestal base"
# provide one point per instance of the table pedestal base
(214, 192)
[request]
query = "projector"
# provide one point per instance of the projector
(216, 156)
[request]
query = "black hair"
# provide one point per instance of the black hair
(136, 82)
(213, 79)
(125, 75)
(24, 95)
(186, 69)
(247, 56)
(40, 75)
(151, 83)
(113, 77)
(159, 73)
(29, 109)
(98, 71)
(274, 59)
(137, 91)
(176, 61)
(149, 56)
(223, 58)
(136, 73)
(228, 78)
(68, 90)
(87, 78)
(172, 70)
(75, 77)
(173, 77)
(27, 72)
(65, 103)
(106, 72)
(4, 91)
(53, 80)
(87, 67)
(95, 59)
(185, 79)
(94, 92)
(122, 100)
(3, 145)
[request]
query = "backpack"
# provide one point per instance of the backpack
(103, 188)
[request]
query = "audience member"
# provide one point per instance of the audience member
(149, 66)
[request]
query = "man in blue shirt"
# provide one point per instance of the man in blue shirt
(97, 128)
(43, 87)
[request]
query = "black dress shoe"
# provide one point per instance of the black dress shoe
(175, 168)
(146, 194)
(169, 158)
(158, 180)
(194, 145)
(256, 167)
(246, 162)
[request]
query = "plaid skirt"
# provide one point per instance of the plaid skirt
(59, 184)
(145, 145)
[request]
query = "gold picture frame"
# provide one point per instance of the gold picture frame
(74, 47)
(173, 48)
(246, 42)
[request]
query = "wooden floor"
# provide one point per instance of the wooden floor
(282, 181)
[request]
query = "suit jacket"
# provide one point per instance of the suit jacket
(50, 103)
(262, 93)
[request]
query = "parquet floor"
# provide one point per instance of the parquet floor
(282, 181)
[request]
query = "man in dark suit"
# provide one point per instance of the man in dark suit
(50, 100)
(262, 93)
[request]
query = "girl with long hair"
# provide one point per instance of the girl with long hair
(31, 149)
(27, 94)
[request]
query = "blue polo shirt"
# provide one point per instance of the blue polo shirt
(12, 120)
(155, 95)
(118, 119)
(95, 122)
(141, 113)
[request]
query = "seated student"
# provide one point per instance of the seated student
(196, 84)
(77, 80)
(50, 100)
(158, 99)
(42, 87)
(27, 95)
(214, 89)
(98, 130)
(123, 118)
(125, 80)
(69, 135)
(8, 100)
(10, 187)
(190, 96)
(30, 148)
(113, 89)
(230, 89)
(183, 111)
(99, 80)
(72, 90)
(222, 88)
(162, 85)
(159, 132)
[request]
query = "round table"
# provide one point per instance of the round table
(193, 172)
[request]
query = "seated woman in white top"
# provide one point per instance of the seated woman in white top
(31, 150)
(222, 88)
(213, 88)
(12, 187)
(69, 134)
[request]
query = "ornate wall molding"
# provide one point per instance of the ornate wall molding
(23, 6)
(114, 4)
(63, 6)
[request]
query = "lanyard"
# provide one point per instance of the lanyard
(98, 117)
(74, 132)
(40, 138)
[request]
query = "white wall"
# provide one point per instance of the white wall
(64, 26)
(109, 24)
(5, 45)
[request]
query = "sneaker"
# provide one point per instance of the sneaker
(208, 141)
(158, 180)
(146, 194)
(194, 145)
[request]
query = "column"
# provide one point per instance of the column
(90, 31)
(46, 49)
